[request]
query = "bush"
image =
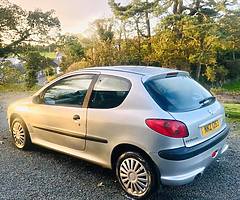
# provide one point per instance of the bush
(34, 63)
(78, 65)
(216, 74)
(9, 74)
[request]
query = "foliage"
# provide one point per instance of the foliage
(20, 27)
(9, 74)
(34, 63)
(20, 87)
(72, 50)
(51, 55)
(103, 28)
(216, 74)
(78, 65)
(51, 78)
(199, 36)
(232, 86)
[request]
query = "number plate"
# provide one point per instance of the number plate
(210, 127)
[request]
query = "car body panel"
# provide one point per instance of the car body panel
(60, 129)
(196, 119)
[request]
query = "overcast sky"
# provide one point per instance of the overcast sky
(75, 15)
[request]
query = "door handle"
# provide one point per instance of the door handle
(76, 117)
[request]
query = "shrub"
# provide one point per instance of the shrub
(9, 74)
(216, 74)
(78, 65)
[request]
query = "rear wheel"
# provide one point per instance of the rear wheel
(135, 175)
(20, 134)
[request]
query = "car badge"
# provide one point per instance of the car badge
(210, 111)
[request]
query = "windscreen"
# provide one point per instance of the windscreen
(177, 94)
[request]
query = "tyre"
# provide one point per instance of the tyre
(20, 134)
(136, 175)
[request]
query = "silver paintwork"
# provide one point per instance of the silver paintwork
(124, 124)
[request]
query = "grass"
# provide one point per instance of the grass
(232, 86)
(232, 112)
(17, 88)
(51, 55)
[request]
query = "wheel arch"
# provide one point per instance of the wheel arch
(14, 116)
(122, 148)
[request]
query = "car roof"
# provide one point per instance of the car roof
(139, 70)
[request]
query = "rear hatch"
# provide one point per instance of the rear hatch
(187, 101)
(202, 123)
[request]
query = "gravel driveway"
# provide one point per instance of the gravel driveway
(44, 174)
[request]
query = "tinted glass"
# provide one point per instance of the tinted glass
(69, 91)
(109, 92)
(177, 94)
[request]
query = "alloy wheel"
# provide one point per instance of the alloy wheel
(134, 177)
(19, 135)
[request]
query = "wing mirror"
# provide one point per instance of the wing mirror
(37, 99)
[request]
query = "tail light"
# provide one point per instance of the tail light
(170, 128)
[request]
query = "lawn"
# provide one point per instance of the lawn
(17, 88)
(51, 55)
(232, 112)
(232, 86)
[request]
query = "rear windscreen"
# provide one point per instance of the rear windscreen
(177, 94)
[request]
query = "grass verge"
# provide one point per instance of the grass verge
(17, 88)
(232, 112)
(232, 86)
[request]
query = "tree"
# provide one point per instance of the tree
(72, 50)
(216, 74)
(229, 31)
(103, 28)
(34, 63)
(188, 34)
(137, 10)
(19, 27)
(9, 74)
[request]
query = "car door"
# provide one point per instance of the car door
(59, 121)
(104, 118)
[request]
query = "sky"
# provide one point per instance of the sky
(74, 15)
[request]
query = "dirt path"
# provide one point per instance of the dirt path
(226, 98)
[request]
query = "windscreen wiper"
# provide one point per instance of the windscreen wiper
(207, 99)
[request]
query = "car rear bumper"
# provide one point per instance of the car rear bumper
(181, 166)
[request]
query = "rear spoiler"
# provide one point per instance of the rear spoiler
(164, 75)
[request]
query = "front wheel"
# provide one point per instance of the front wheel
(20, 134)
(135, 175)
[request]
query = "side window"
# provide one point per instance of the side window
(109, 92)
(69, 91)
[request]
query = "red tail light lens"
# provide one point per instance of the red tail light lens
(170, 128)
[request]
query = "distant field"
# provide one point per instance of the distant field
(232, 112)
(51, 55)
(233, 86)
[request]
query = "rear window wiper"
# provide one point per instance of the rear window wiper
(207, 99)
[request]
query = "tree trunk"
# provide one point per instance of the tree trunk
(139, 43)
(234, 55)
(148, 29)
(180, 6)
(198, 72)
(175, 6)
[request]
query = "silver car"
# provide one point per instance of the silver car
(151, 125)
